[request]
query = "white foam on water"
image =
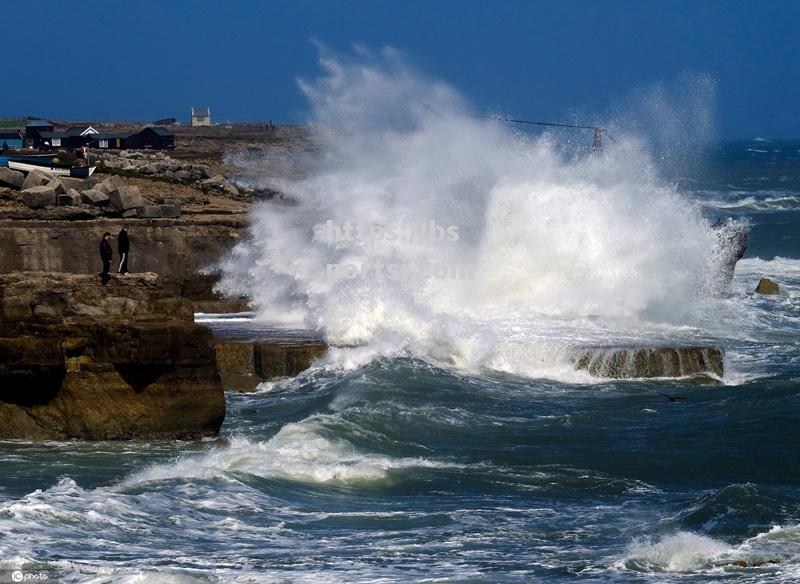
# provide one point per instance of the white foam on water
(202, 316)
(786, 271)
(545, 238)
(774, 552)
(300, 452)
(681, 552)
(762, 202)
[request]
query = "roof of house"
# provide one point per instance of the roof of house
(161, 131)
(81, 130)
(112, 136)
(15, 135)
(54, 134)
(39, 123)
(201, 112)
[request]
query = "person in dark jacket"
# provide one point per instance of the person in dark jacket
(105, 254)
(123, 247)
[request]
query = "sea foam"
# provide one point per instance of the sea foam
(544, 236)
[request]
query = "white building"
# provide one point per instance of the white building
(201, 116)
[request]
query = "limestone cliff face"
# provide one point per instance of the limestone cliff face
(243, 365)
(83, 360)
(176, 249)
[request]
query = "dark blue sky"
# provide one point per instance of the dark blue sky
(149, 59)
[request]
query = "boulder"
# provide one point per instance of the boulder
(12, 178)
(38, 197)
(201, 171)
(112, 182)
(130, 214)
(95, 197)
(35, 178)
(229, 188)
(159, 211)
(57, 186)
(102, 188)
(155, 168)
(70, 199)
(124, 198)
(78, 184)
(214, 181)
(767, 286)
(79, 360)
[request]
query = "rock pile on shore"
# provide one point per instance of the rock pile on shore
(159, 164)
(155, 162)
(81, 360)
(109, 197)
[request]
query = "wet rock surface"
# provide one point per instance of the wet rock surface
(767, 286)
(103, 362)
(649, 362)
(243, 365)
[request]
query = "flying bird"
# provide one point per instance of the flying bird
(672, 398)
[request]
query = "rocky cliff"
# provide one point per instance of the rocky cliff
(177, 249)
(82, 360)
(243, 365)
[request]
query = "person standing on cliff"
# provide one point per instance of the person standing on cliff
(105, 254)
(123, 246)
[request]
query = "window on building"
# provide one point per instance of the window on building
(56, 141)
(103, 143)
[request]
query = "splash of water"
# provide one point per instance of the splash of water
(430, 228)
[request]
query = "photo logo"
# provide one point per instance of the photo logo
(27, 576)
(374, 234)
(379, 270)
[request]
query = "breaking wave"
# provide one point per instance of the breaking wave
(763, 202)
(303, 452)
(458, 225)
(770, 554)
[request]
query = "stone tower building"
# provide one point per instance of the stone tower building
(201, 116)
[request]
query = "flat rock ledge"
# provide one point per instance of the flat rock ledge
(243, 365)
(705, 363)
(82, 360)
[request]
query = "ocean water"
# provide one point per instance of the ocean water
(399, 470)
(447, 436)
